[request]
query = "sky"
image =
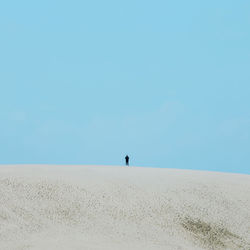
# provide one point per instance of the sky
(87, 82)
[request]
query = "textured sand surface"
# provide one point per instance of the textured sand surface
(104, 207)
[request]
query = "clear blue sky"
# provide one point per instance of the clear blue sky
(87, 82)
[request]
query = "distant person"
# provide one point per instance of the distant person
(127, 160)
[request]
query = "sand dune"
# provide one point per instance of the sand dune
(103, 207)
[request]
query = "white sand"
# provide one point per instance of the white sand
(46, 207)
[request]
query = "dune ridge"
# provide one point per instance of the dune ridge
(112, 207)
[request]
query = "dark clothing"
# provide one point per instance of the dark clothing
(127, 160)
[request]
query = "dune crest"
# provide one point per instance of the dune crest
(104, 207)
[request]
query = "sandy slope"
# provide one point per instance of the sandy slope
(100, 207)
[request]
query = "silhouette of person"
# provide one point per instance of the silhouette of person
(127, 160)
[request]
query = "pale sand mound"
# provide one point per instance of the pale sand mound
(90, 207)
